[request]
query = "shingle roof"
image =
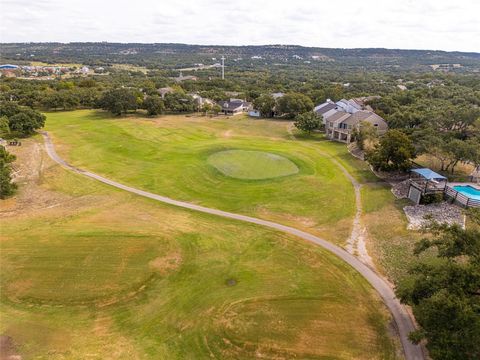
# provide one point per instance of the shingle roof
(322, 109)
(339, 116)
(232, 105)
(362, 115)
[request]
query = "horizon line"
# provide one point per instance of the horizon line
(237, 46)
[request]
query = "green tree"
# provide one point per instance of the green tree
(458, 150)
(216, 109)
(307, 122)
(119, 101)
(8, 109)
(293, 104)
(22, 121)
(4, 127)
(154, 105)
(364, 133)
(394, 152)
(64, 99)
(265, 103)
(445, 294)
(206, 108)
(179, 102)
(7, 187)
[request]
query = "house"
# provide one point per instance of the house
(326, 109)
(164, 91)
(349, 106)
(341, 125)
(181, 78)
(200, 101)
(235, 106)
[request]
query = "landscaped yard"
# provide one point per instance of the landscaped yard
(89, 271)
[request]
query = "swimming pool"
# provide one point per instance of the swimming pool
(468, 191)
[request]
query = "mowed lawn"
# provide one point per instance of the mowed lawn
(172, 156)
(91, 272)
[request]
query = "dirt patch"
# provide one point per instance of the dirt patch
(19, 288)
(166, 264)
(7, 349)
(231, 282)
(29, 170)
(227, 134)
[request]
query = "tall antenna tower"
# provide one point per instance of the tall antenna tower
(223, 67)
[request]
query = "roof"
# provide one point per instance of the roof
(232, 104)
(428, 174)
(325, 107)
(362, 115)
(339, 116)
(8, 67)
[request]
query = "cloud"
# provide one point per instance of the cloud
(427, 24)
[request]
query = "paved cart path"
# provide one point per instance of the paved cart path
(402, 319)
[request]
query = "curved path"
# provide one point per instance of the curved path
(402, 319)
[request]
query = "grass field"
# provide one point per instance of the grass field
(91, 272)
(391, 244)
(170, 156)
(252, 165)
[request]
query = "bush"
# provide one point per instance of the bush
(431, 199)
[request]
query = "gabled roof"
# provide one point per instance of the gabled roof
(428, 174)
(232, 104)
(363, 115)
(323, 108)
(338, 117)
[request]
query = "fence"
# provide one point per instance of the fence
(460, 198)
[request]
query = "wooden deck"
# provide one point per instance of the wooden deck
(428, 187)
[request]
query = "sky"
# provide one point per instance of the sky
(452, 25)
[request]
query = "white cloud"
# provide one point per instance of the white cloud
(406, 24)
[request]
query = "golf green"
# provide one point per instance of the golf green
(252, 165)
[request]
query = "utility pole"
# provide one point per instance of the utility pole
(223, 67)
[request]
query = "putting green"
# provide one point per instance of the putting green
(252, 165)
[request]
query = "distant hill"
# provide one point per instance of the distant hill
(169, 55)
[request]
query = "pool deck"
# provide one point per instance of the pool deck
(474, 185)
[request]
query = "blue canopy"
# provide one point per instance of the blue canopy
(429, 174)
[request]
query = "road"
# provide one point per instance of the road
(401, 316)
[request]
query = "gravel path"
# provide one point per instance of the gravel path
(402, 319)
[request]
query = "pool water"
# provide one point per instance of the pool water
(468, 191)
